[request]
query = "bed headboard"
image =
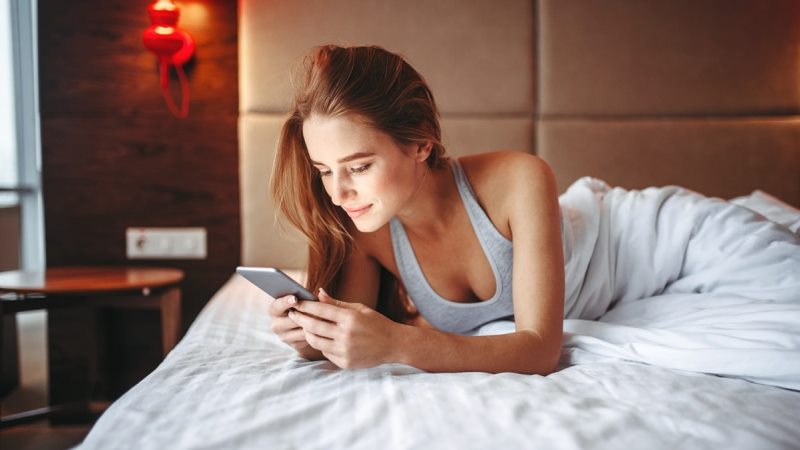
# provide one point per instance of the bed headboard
(705, 94)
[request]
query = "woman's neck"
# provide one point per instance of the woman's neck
(431, 209)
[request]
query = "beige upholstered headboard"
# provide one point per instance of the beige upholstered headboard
(704, 94)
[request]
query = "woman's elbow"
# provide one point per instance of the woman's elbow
(542, 355)
(550, 363)
(543, 364)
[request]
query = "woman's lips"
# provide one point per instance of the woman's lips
(355, 212)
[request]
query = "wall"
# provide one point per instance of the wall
(114, 157)
(702, 94)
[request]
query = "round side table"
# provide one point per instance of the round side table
(70, 294)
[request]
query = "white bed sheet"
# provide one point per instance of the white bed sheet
(230, 383)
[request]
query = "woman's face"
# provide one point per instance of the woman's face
(364, 171)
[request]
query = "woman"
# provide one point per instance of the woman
(362, 172)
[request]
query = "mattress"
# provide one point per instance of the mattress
(231, 383)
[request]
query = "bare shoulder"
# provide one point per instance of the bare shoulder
(504, 166)
(503, 179)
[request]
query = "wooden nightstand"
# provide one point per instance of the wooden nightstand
(73, 294)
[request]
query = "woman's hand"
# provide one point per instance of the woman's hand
(286, 329)
(350, 335)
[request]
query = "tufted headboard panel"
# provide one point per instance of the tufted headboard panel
(705, 94)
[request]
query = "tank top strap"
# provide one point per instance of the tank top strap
(481, 222)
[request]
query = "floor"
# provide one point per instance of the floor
(32, 393)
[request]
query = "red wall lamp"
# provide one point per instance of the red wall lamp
(173, 46)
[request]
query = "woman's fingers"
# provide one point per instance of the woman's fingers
(328, 311)
(283, 324)
(323, 344)
(294, 336)
(314, 325)
(281, 305)
(289, 332)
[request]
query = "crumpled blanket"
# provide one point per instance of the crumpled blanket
(669, 277)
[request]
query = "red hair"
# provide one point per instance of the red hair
(384, 90)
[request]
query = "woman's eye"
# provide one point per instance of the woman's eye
(324, 173)
(360, 169)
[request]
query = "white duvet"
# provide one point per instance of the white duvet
(669, 277)
(684, 299)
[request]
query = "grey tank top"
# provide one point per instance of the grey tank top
(447, 315)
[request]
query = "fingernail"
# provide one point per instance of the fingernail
(291, 315)
(322, 291)
(292, 300)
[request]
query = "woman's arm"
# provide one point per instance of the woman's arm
(436, 351)
(538, 270)
(352, 335)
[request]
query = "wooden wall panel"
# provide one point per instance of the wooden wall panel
(114, 157)
(91, 59)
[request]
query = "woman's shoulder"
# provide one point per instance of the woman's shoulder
(505, 171)
(502, 181)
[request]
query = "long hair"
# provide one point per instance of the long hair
(384, 90)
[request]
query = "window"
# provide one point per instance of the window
(20, 162)
(8, 136)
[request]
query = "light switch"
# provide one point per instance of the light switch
(166, 243)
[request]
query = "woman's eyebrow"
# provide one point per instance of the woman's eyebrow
(347, 158)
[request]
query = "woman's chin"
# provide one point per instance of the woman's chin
(365, 225)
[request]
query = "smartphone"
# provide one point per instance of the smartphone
(274, 282)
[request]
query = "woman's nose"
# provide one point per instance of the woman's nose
(341, 191)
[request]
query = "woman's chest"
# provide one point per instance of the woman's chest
(455, 266)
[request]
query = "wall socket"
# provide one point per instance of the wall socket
(166, 243)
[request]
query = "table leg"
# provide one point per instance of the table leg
(72, 348)
(170, 303)
(9, 346)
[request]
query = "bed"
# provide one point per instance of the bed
(577, 84)
(231, 383)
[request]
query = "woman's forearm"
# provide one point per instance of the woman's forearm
(436, 351)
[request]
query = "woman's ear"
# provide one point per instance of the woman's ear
(424, 149)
